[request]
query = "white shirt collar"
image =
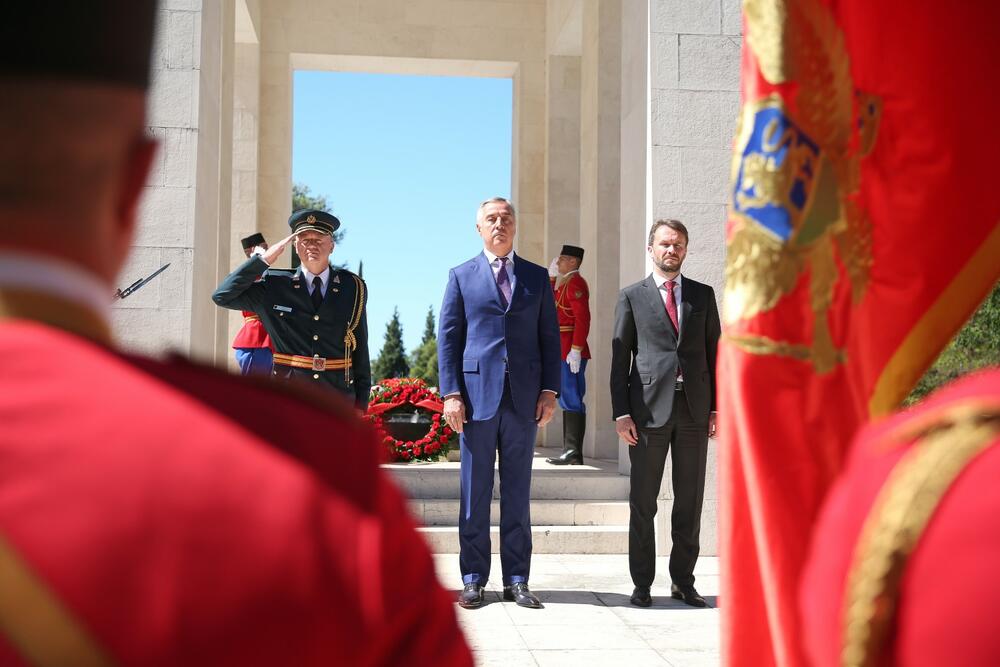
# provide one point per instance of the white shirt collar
(58, 278)
(659, 280)
(324, 277)
(490, 257)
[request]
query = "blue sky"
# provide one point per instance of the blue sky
(403, 162)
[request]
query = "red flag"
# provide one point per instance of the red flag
(864, 229)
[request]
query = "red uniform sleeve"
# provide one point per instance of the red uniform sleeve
(578, 296)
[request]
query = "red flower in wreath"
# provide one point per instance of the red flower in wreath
(399, 392)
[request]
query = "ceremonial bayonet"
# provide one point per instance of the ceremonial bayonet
(122, 293)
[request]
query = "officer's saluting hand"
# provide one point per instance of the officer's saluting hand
(315, 314)
(271, 254)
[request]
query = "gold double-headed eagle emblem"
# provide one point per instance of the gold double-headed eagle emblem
(796, 171)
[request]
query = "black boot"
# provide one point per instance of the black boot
(574, 426)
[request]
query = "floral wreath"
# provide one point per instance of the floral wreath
(396, 392)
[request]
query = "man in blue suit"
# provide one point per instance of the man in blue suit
(499, 364)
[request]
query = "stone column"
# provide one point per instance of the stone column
(528, 157)
(636, 209)
(562, 172)
(695, 51)
(600, 150)
(246, 111)
(159, 315)
(209, 324)
(274, 167)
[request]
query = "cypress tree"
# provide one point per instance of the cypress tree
(423, 360)
(391, 362)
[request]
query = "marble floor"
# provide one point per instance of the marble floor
(587, 619)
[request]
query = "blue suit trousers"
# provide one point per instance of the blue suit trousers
(510, 437)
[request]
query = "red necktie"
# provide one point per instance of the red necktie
(672, 305)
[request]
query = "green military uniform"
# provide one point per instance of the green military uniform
(336, 333)
(325, 343)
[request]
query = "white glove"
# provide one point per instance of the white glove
(554, 268)
(573, 359)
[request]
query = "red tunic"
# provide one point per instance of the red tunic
(252, 334)
(949, 581)
(573, 311)
(184, 516)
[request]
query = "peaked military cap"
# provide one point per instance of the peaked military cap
(104, 42)
(252, 241)
(572, 251)
(310, 219)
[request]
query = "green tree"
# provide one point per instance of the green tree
(391, 362)
(976, 346)
(423, 360)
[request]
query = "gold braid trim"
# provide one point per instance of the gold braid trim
(901, 512)
(36, 623)
(350, 340)
(763, 345)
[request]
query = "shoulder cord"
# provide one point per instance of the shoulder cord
(350, 340)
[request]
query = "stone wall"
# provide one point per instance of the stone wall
(159, 315)
(694, 69)
(184, 216)
(694, 54)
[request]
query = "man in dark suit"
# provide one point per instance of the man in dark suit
(315, 314)
(498, 359)
(663, 398)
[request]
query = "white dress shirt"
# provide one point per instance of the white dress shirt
(324, 279)
(661, 288)
(495, 264)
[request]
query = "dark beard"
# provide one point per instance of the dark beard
(662, 266)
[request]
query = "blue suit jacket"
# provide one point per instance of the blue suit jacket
(478, 340)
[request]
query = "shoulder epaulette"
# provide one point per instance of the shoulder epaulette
(346, 273)
(946, 442)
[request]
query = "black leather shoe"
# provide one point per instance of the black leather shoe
(640, 597)
(520, 594)
(471, 597)
(570, 457)
(688, 594)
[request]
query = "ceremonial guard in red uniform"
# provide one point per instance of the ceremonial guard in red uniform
(254, 350)
(903, 564)
(573, 310)
(164, 513)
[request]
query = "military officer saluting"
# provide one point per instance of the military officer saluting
(315, 314)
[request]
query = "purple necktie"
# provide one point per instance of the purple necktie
(503, 281)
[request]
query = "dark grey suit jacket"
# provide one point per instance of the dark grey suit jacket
(645, 351)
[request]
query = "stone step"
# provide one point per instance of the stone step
(544, 539)
(441, 481)
(444, 512)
